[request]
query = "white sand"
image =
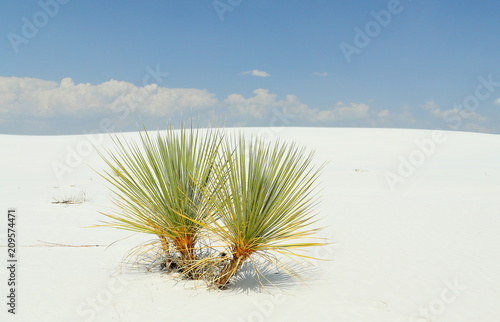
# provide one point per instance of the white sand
(426, 251)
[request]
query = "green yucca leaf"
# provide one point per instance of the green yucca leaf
(265, 199)
(156, 182)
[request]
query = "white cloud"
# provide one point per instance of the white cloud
(340, 112)
(435, 111)
(474, 127)
(321, 74)
(383, 114)
(497, 102)
(429, 105)
(256, 72)
(262, 104)
(400, 118)
(40, 98)
(255, 106)
(66, 83)
(462, 113)
(46, 101)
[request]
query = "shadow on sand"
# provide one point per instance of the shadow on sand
(248, 279)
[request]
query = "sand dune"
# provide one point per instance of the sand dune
(413, 217)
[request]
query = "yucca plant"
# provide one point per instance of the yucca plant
(265, 201)
(157, 183)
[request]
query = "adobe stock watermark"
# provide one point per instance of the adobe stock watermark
(482, 92)
(93, 305)
(223, 6)
(407, 165)
(76, 154)
(437, 307)
(30, 28)
(363, 37)
(454, 118)
(277, 123)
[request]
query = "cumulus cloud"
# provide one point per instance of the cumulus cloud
(458, 117)
(256, 72)
(434, 109)
(30, 98)
(256, 106)
(383, 114)
(262, 104)
(462, 113)
(25, 100)
(437, 112)
(429, 105)
(35, 98)
(340, 112)
(41, 98)
(474, 127)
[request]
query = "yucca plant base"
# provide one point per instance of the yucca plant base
(191, 270)
(182, 258)
(188, 263)
(229, 270)
(178, 265)
(170, 262)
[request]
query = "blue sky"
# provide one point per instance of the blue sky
(68, 64)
